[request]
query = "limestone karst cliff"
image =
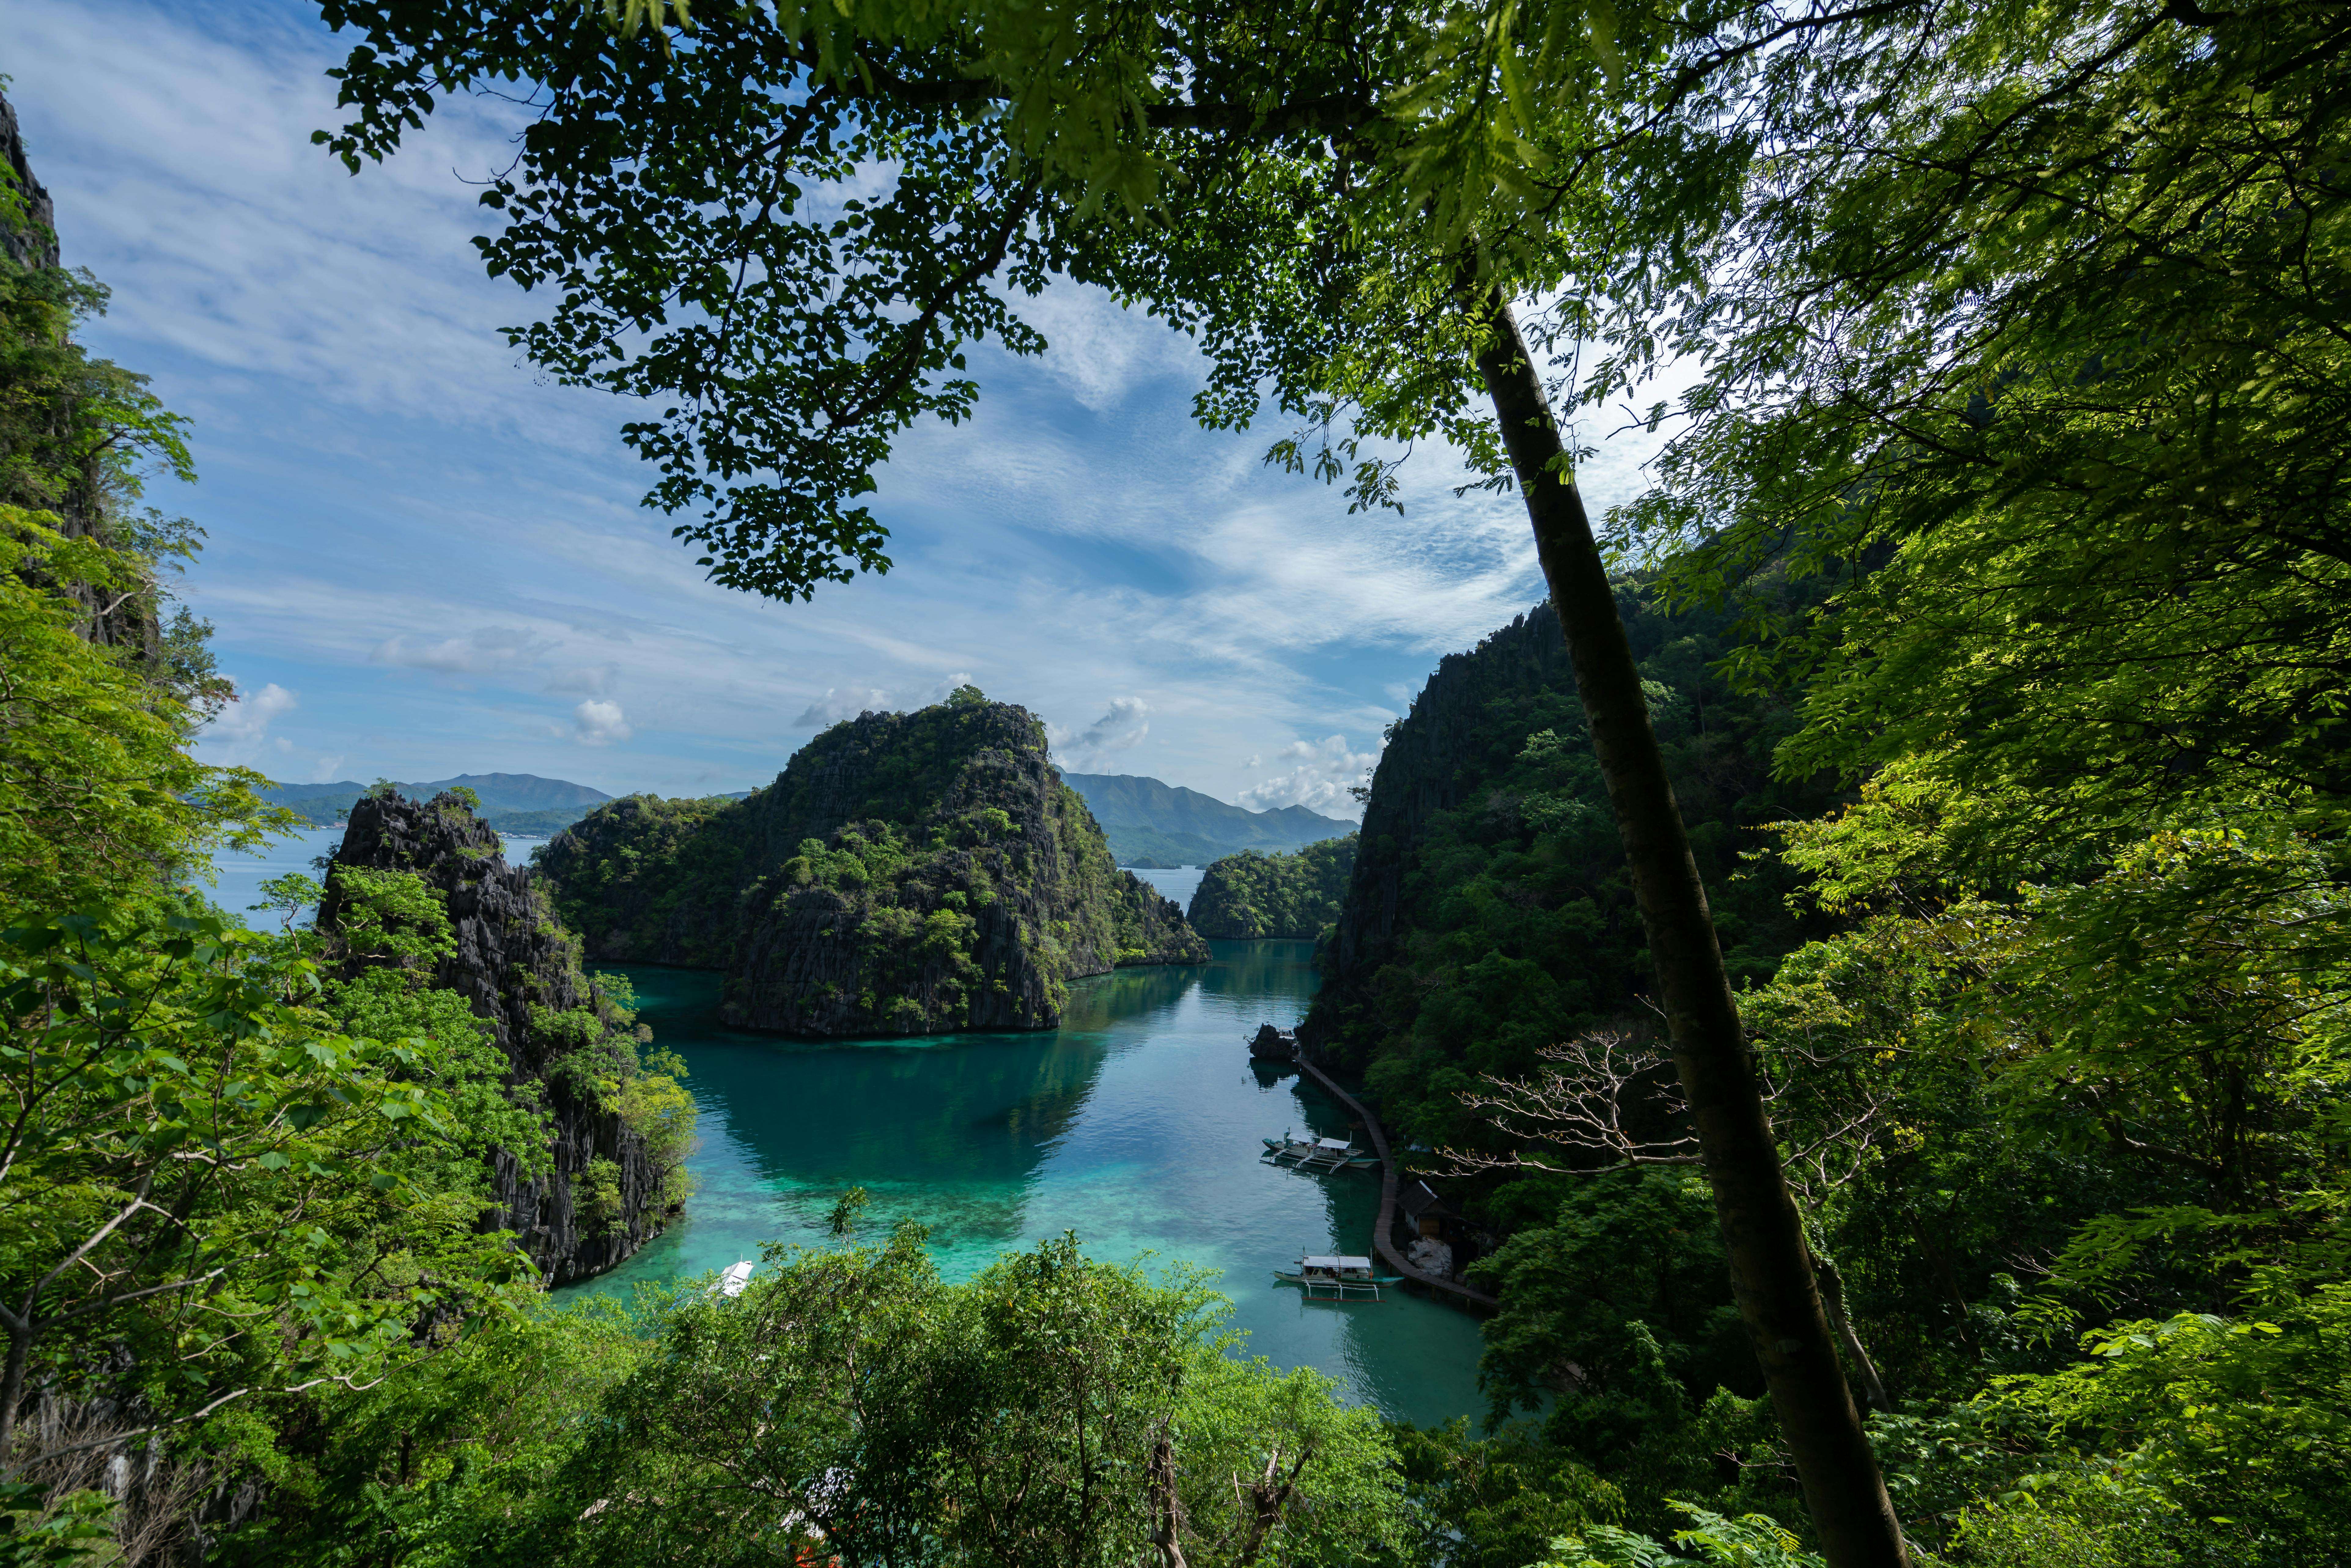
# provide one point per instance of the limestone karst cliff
(1490, 913)
(603, 1197)
(907, 873)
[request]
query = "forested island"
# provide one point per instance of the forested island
(1251, 896)
(907, 874)
(1862, 970)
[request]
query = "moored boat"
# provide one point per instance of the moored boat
(1319, 1154)
(1335, 1278)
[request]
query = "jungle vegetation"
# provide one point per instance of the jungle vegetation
(1251, 896)
(1966, 283)
(2019, 328)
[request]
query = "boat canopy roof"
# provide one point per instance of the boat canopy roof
(1335, 1262)
(1333, 1143)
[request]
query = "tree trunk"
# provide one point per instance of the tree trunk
(12, 1381)
(1770, 1268)
(1873, 1387)
(1167, 1522)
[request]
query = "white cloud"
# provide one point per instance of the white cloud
(847, 702)
(246, 246)
(1102, 350)
(328, 768)
(477, 653)
(402, 496)
(245, 723)
(599, 722)
(842, 702)
(1324, 771)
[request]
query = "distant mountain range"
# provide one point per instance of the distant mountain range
(511, 802)
(1149, 823)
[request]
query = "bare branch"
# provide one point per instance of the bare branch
(1580, 1105)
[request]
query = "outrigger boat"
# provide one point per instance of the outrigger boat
(1317, 1153)
(1337, 1279)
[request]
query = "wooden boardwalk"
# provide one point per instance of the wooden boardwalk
(1386, 1221)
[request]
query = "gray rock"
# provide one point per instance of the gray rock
(512, 953)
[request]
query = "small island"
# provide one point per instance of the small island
(1250, 896)
(907, 874)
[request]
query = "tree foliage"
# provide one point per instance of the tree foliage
(201, 1165)
(2047, 307)
(850, 1407)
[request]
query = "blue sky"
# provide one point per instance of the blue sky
(424, 560)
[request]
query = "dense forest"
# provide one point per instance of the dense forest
(1251, 896)
(1873, 956)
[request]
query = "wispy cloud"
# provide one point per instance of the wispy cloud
(476, 653)
(1123, 727)
(1103, 352)
(840, 703)
(446, 558)
(236, 735)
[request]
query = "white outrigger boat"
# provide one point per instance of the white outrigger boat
(1317, 1153)
(1336, 1278)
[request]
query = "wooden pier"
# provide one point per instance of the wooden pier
(1379, 1242)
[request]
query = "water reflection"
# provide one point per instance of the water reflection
(949, 1130)
(1100, 1002)
(1137, 1125)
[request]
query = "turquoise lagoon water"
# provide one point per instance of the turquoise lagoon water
(1136, 1125)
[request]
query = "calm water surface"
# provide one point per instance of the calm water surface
(1136, 1124)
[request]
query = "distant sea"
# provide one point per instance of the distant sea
(1179, 885)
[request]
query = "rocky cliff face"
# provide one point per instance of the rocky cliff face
(1490, 911)
(1420, 775)
(907, 873)
(32, 242)
(514, 963)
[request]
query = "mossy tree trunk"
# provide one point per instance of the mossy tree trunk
(1770, 1267)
